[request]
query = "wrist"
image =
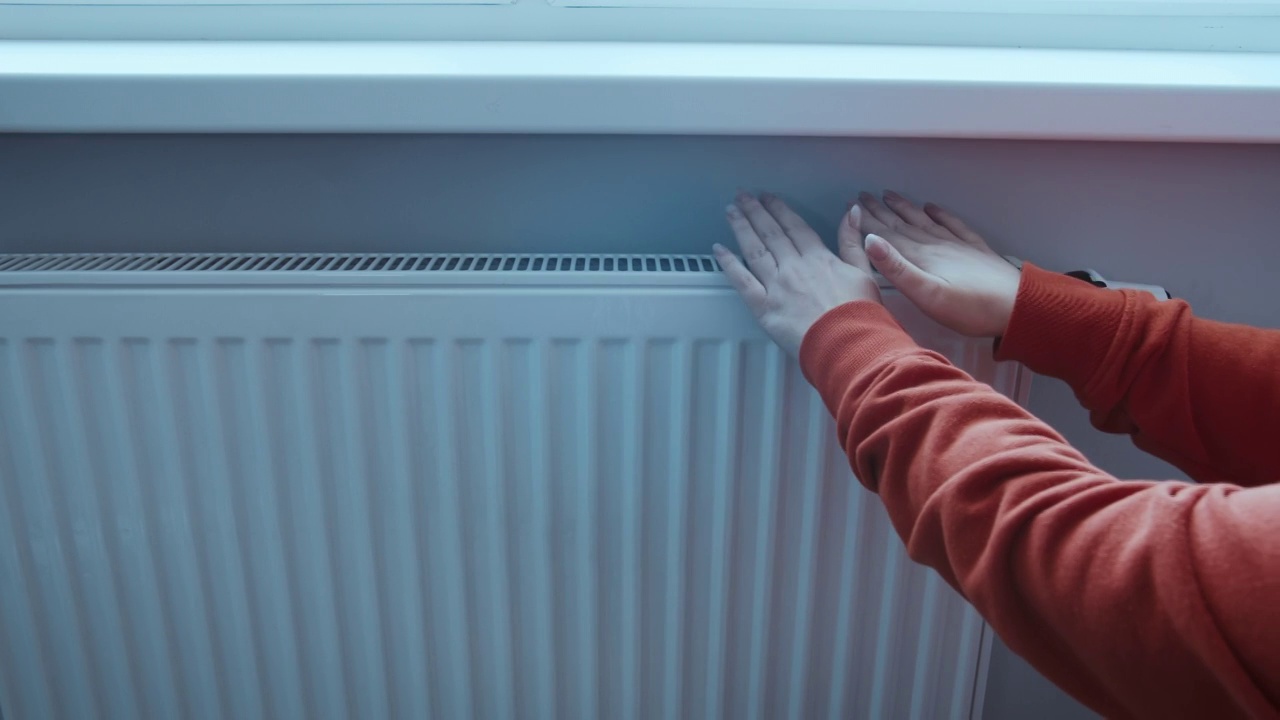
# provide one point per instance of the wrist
(1060, 326)
(1005, 298)
(856, 334)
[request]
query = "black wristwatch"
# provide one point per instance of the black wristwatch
(1093, 277)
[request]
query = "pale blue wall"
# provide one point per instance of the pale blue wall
(1198, 219)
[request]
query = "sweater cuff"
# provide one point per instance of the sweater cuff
(1061, 326)
(849, 337)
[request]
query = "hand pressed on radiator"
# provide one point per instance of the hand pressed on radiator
(939, 264)
(790, 278)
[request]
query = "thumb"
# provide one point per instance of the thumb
(850, 240)
(919, 286)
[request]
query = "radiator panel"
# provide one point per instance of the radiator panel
(604, 496)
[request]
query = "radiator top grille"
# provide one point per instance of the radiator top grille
(351, 262)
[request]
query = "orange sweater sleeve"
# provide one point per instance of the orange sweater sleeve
(1203, 395)
(1152, 599)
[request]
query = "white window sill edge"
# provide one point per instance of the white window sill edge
(642, 88)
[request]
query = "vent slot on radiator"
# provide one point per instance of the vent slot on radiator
(352, 262)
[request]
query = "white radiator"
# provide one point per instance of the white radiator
(359, 486)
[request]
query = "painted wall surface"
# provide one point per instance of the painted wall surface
(1197, 219)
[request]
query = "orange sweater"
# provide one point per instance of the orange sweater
(1140, 598)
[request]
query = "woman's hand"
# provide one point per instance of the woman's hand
(941, 265)
(790, 278)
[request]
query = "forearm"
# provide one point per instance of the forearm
(1197, 393)
(1057, 555)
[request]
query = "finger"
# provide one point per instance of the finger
(758, 257)
(767, 228)
(803, 236)
(919, 286)
(868, 223)
(948, 220)
(877, 210)
(850, 238)
(872, 225)
(890, 220)
(740, 278)
(916, 217)
(908, 246)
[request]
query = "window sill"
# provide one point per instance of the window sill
(644, 88)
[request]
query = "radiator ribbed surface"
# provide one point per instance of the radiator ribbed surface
(245, 502)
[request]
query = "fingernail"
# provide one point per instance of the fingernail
(865, 197)
(767, 196)
(731, 210)
(718, 249)
(855, 217)
(891, 195)
(877, 247)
